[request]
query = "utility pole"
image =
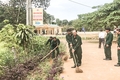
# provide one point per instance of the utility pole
(28, 12)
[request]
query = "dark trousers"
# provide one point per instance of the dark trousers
(118, 53)
(70, 51)
(54, 55)
(101, 40)
(107, 51)
(78, 56)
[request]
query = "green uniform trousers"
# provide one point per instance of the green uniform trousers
(78, 56)
(118, 53)
(70, 51)
(54, 55)
(107, 51)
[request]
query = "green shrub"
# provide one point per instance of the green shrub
(6, 56)
(38, 46)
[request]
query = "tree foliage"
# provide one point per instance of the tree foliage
(106, 15)
(24, 35)
(47, 18)
(37, 3)
(6, 33)
(41, 3)
(15, 11)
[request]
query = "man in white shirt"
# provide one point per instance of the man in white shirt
(101, 38)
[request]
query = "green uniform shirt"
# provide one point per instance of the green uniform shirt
(118, 41)
(109, 39)
(76, 42)
(69, 38)
(49, 41)
(55, 43)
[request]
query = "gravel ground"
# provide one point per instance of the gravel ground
(93, 65)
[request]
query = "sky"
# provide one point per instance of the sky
(65, 9)
(4, 0)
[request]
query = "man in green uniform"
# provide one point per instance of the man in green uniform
(69, 40)
(118, 48)
(108, 44)
(49, 40)
(77, 49)
(55, 43)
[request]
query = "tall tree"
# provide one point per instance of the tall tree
(105, 15)
(65, 22)
(70, 23)
(47, 18)
(15, 10)
(58, 22)
(41, 3)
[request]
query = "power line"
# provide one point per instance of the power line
(80, 3)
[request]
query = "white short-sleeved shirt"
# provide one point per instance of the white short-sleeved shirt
(102, 35)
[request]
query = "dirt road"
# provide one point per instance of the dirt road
(93, 65)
